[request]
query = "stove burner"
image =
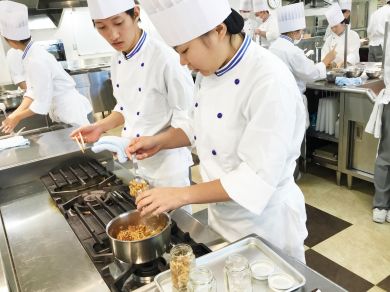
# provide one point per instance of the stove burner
(91, 196)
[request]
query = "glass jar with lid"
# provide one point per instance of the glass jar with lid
(182, 260)
(201, 279)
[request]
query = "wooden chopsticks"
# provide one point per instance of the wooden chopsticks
(82, 144)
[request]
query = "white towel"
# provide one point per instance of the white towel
(374, 124)
(15, 141)
(114, 144)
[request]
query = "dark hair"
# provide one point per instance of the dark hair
(24, 42)
(234, 22)
(129, 12)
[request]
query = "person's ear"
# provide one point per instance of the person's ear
(137, 13)
(221, 30)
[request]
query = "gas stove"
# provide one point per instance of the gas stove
(89, 196)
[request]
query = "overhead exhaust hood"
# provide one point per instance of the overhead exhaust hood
(50, 4)
(49, 9)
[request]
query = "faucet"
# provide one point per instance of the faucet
(3, 108)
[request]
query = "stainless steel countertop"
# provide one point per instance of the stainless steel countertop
(42, 146)
(46, 254)
(369, 87)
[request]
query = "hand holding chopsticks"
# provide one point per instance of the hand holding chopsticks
(82, 144)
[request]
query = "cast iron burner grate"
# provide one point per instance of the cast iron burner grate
(89, 196)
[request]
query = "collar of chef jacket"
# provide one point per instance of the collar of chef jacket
(236, 58)
(137, 47)
(287, 38)
(26, 50)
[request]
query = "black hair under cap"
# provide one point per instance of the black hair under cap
(234, 22)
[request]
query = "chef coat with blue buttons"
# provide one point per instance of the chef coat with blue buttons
(153, 91)
(52, 89)
(248, 125)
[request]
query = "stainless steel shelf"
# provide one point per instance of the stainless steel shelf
(321, 135)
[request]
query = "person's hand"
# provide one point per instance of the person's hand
(143, 147)
(258, 31)
(90, 133)
(158, 200)
(329, 58)
(9, 124)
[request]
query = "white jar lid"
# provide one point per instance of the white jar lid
(280, 281)
(261, 269)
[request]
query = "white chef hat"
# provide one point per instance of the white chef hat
(14, 21)
(179, 21)
(246, 5)
(345, 4)
(334, 15)
(260, 5)
(291, 17)
(102, 9)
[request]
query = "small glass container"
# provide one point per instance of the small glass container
(182, 260)
(201, 279)
(238, 276)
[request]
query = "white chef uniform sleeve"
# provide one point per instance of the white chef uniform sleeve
(264, 145)
(16, 68)
(273, 30)
(40, 87)
(180, 91)
(353, 48)
(305, 69)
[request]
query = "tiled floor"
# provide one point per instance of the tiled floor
(344, 244)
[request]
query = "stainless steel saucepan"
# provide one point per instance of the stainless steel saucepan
(11, 101)
(139, 251)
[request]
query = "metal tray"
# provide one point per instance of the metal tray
(253, 249)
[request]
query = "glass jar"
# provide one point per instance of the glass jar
(182, 260)
(201, 279)
(237, 274)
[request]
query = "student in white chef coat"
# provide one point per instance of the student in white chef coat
(268, 30)
(379, 126)
(152, 90)
(15, 65)
(337, 38)
(291, 21)
(49, 88)
(250, 23)
(376, 32)
(346, 7)
(248, 124)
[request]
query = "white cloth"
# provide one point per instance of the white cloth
(180, 21)
(12, 142)
(374, 125)
(154, 92)
(339, 40)
(376, 25)
(246, 5)
(249, 123)
(270, 26)
(52, 89)
(345, 4)
(113, 144)
(260, 5)
(102, 9)
(15, 65)
(303, 69)
(291, 17)
(334, 15)
(14, 20)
